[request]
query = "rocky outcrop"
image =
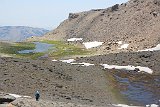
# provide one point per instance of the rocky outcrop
(6, 98)
(115, 7)
(72, 16)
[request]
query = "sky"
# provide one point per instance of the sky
(46, 14)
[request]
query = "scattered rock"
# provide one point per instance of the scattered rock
(136, 69)
(59, 86)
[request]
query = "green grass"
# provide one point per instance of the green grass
(13, 48)
(114, 88)
(30, 55)
(60, 49)
(64, 49)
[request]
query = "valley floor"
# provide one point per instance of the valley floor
(56, 81)
(83, 81)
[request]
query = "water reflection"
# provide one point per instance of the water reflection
(138, 88)
(40, 47)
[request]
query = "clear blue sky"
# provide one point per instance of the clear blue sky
(45, 13)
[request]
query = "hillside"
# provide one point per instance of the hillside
(136, 23)
(19, 33)
(99, 58)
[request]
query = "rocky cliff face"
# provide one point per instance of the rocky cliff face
(19, 33)
(136, 22)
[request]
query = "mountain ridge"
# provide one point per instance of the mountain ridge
(20, 33)
(135, 22)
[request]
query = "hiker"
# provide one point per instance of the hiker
(37, 95)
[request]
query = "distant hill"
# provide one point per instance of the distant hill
(19, 33)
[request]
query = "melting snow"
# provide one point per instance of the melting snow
(152, 105)
(92, 44)
(15, 95)
(118, 67)
(19, 96)
(129, 67)
(54, 60)
(82, 64)
(124, 46)
(120, 42)
(152, 49)
(123, 105)
(72, 60)
(68, 60)
(26, 96)
(86, 64)
(74, 39)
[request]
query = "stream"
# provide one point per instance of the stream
(138, 88)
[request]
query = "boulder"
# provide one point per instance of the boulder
(155, 14)
(5, 98)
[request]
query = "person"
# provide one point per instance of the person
(37, 95)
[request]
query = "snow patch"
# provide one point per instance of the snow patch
(74, 39)
(145, 69)
(120, 43)
(27, 96)
(129, 67)
(124, 46)
(118, 67)
(54, 60)
(15, 95)
(123, 105)
(152, 105)
(86, 64)
(68, 60)
(92, 44)
(152, 49)
(83, 64)
(19, 96)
